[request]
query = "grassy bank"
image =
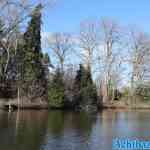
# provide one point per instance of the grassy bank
(125, 105)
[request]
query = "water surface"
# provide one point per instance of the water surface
(59, 130)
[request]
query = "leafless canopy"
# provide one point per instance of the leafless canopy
(60, 45)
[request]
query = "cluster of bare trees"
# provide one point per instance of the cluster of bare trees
(10, 26)
(139, 61)
(117, 57)
(13, 16)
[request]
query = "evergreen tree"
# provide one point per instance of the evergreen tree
(84, 89)
(56, 90)
(77, 86)
(34, 73)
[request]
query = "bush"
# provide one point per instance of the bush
(143, 92)
(56, 91)
(56, 97)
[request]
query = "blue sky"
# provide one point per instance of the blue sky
(66, 15)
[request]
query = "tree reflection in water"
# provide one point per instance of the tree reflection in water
(22, 130)
(66, 130)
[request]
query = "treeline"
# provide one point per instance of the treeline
(24, 72)
(103, 63)
(81, 94)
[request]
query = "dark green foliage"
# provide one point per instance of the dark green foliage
(84, 89)
(33, 70)
(56, 90)
(32, 47)
(46, 59)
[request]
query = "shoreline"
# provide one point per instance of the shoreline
(124, 105)
(28, 105)
(13, 104)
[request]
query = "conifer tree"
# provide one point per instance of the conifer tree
(84, 88)
(34, 74)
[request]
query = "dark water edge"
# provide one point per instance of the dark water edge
(68, 130)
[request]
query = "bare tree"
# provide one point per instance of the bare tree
(88, 42)
(109, 55)
(61, 45)
(12, 17)
(139, 60)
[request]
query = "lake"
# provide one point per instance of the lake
(66, 130)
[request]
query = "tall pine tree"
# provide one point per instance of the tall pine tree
(33, 70)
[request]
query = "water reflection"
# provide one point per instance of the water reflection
(59, 130)
(22, 130)
(69, 130)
